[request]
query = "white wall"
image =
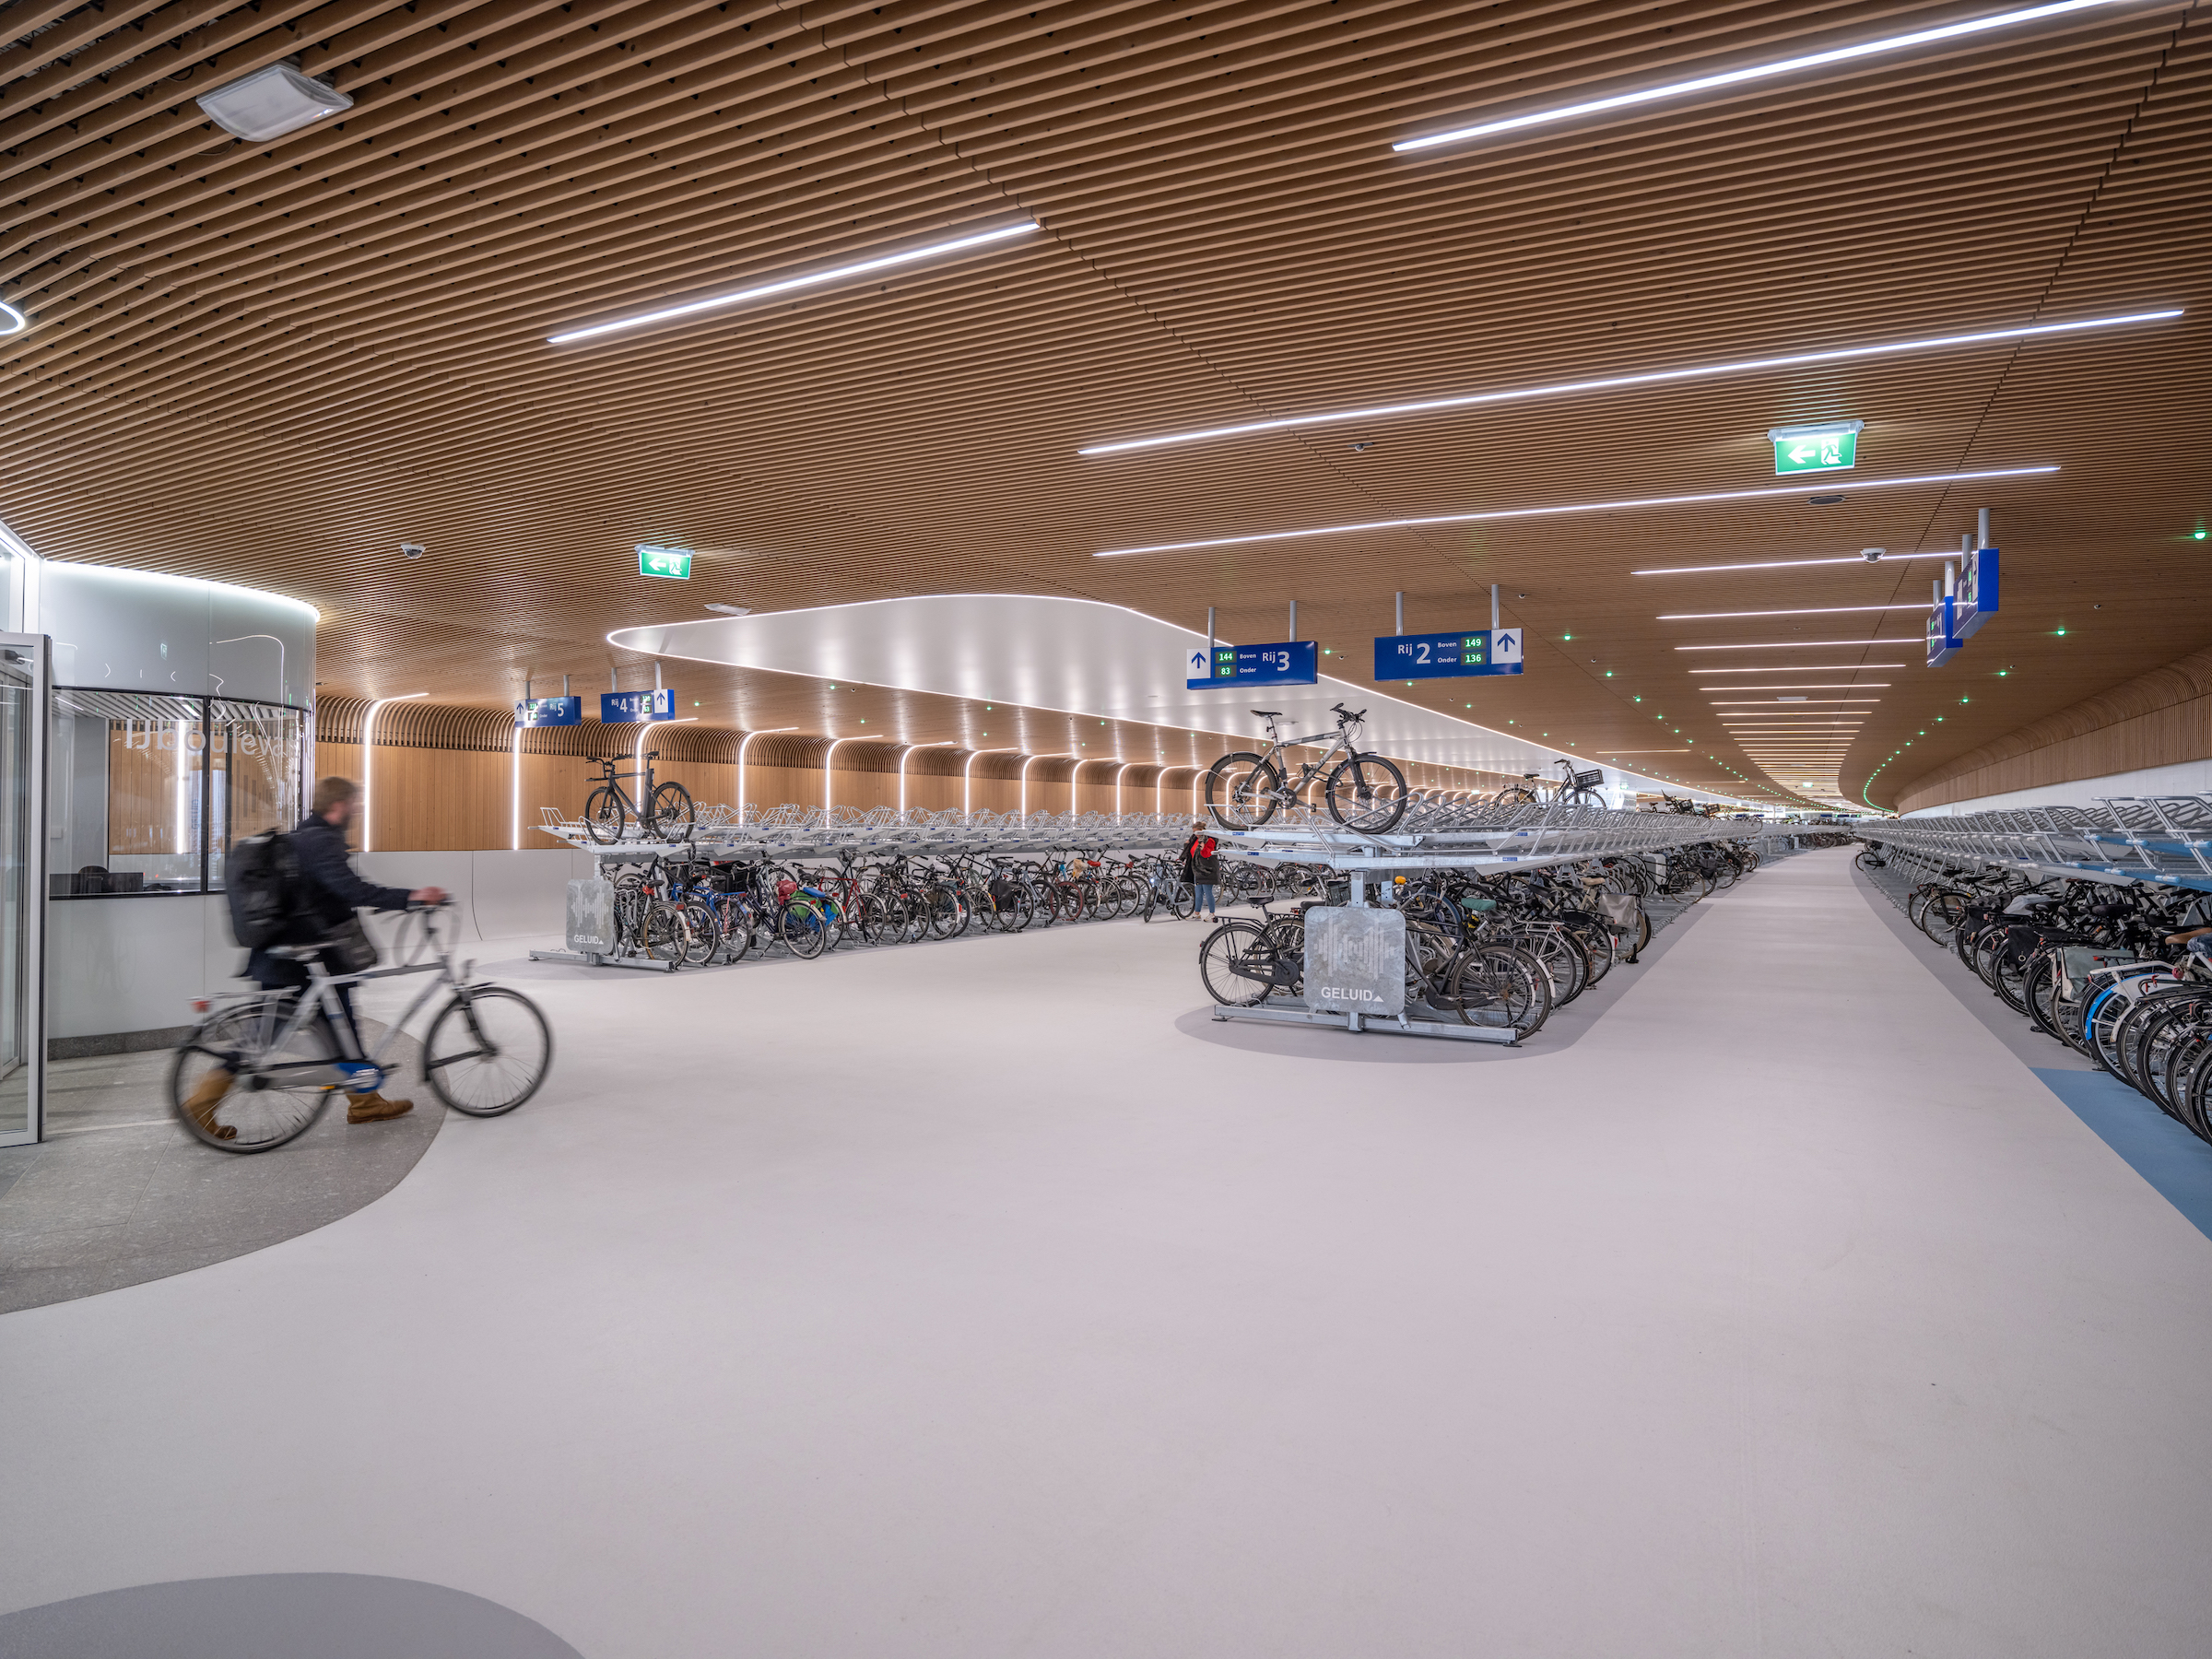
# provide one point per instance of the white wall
(136, 964)
(2189, 777)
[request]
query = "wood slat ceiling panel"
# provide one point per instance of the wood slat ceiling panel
(273, 362)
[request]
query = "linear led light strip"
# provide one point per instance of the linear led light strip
(1817, 610)
(790, 284)
(1803, 668)
(1792, 645)
(1736, 77)
(1807, 686)
(1520, 512)
(1613, 381)
(1791, 564)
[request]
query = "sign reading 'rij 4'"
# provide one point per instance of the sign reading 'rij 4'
(1287, 662)
(1469, 650)
(627, 708)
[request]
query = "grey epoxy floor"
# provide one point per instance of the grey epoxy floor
(120, 1193)
(966, 1304)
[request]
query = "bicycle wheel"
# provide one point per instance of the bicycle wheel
(736, 924)
(274, 1095)
(1241, 791)
(603, 816)
(1498, 986)
(487, 1051)
(670, 814)
(700, 932)
(1236, 964)
(1367, 793)
(804, 930)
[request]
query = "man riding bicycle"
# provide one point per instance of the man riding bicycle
(331, 892)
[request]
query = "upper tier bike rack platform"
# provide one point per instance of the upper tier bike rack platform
(2165, 840)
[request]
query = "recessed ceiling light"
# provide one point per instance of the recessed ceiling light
(733, 610)
(1612, 383)
(1520, 512)
(974, 238)
(271, 102)
(1750, 72)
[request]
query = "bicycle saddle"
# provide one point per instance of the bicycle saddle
(1268, 714)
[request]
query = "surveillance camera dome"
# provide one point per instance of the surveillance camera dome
(411, 549)
(1871, 554)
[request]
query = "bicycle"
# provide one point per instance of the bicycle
(667, 812)
(1245, 790)
(1574, 788)
(487, 1051)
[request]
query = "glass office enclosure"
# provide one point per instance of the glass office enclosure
(151, 791)
(22, 855)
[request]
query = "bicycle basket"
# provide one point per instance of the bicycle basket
(1587, 780)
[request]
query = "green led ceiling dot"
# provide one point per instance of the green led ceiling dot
(1640, 699)
(2197, 535)
(2062, 633)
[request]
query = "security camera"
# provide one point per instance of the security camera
(1871, 554)
(410, 549)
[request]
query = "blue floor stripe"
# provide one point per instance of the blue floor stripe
(2166, 1155)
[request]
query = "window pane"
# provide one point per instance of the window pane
(256, 754)
(127, 794)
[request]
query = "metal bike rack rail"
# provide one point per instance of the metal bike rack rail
(2167, 840)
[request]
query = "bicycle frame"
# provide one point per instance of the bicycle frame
(1341, 743)
(319, 995)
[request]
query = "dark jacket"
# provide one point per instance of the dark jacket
(333, 893)
(1199, 862)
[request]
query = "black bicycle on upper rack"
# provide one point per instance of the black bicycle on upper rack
(665, 810)
(1362, 791)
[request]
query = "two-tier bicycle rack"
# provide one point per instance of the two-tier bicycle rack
(2158, 840)
(783, 834)
(1447, 835)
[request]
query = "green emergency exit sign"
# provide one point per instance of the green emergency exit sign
(672, 562)
(1833, 447)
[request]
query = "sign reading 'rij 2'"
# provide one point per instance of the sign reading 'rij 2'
(550, 711)
(1470, 651)
(1287, 662)
(626, 707)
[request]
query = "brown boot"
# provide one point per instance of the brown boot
(374, 1108)
(199, 1106)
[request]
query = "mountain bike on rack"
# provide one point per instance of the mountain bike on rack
(487, 1049)
(666, 809)
(1362, 791)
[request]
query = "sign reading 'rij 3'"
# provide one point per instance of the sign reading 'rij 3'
(1456, 655)
(1286, 662)
(627, 708)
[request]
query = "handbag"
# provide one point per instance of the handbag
(351, 947)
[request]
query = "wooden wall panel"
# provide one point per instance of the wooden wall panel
(2162, 718)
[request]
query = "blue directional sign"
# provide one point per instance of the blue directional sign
(550, 711)
(1457, 656)
(1977, 593)
(1943, 636)
(1287, 662)
(627, 708)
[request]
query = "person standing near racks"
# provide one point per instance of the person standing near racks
(1201, 867)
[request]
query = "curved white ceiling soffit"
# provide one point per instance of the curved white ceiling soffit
(1074, 656)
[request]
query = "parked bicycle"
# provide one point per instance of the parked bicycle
(1362, 791)
(666, 810)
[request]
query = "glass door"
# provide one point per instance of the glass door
(23, 697)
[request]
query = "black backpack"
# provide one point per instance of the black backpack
(261, 877)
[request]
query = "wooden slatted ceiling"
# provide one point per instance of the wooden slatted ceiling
(271, 363)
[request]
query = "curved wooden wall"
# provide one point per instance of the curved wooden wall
(2161, 718)
(443, 777)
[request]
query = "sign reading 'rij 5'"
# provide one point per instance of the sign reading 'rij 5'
(627, 708)
(550, 711)
(1469, 650)
(1287, 662)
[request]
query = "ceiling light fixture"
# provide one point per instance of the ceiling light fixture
(1817, 610)
(1792, 645)
(1734, 77)
(958, 244)
(1614, 382)
(12, 321)
(271, 102)
(1785, 564)
(1803, 668)
(1520, 512)
(1807, 685)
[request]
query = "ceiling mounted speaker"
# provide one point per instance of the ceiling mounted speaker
(271, 102)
